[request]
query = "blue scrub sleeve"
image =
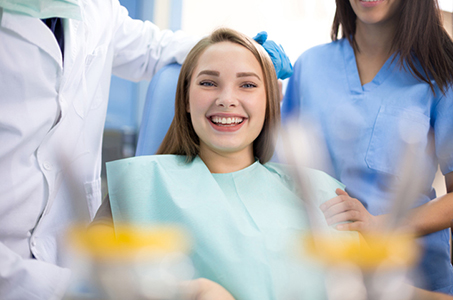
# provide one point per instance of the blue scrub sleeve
(443, 131)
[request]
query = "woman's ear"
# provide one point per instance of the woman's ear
(188, 108)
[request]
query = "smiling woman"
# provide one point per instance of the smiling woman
(212, 177)
(227, 107)
(226, 75)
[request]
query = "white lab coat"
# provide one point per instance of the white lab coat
(51, 124)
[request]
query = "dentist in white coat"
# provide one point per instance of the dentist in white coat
(53, 103)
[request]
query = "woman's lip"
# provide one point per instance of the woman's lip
(226, 127)
(224, 115)
(370, 3)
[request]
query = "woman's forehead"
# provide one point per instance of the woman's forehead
(227, 56)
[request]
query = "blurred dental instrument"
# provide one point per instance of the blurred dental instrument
(378, 265)
(408, 188)
(136, 262)
(126, 262)
(299, 146)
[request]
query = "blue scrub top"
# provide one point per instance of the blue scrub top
(366, 127)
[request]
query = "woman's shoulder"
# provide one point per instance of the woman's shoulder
(288, 170)
(318, 181)
(165, 161)
(323, 50)
(320, 56)
(159, 158)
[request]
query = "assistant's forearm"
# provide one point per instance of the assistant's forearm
(429, 295)
(432, 216)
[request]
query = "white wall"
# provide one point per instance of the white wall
(295, 24)
(446, 5)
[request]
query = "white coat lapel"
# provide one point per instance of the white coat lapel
(35, 31)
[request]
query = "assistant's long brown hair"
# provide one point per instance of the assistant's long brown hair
(181, 138)
(419, 36)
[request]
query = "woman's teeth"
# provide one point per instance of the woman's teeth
(226, 121)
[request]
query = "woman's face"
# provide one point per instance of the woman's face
(227, 100)
(375, 12)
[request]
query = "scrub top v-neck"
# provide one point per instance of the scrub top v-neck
(353, 77)
(365, 128)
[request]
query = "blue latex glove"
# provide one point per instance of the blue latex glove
(281, 62)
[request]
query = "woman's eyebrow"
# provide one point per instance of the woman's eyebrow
(217, 73)
(247, 74)
(209, 72)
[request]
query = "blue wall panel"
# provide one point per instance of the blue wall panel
(121, 112)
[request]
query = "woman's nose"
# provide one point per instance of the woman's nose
(227, 99)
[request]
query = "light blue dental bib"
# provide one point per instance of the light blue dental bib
(44, 9)
(245, 226)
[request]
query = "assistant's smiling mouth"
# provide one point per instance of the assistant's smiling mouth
(371, 2)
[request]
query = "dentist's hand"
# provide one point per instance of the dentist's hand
(281, 61)
(343, 208)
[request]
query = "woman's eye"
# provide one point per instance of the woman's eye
(207, 83)
(249, 85)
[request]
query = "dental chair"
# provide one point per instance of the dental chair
(159, 110)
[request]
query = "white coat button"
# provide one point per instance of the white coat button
(47, 165)
(33, 244)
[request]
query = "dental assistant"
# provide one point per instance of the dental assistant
(385, 84)
(54, 85)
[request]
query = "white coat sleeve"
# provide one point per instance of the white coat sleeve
(141, 48)
(29, 278)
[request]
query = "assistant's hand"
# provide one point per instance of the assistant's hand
(343, 208)
(281, 61)
(205, 289)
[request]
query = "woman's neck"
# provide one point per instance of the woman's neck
(374, 47)
(227, 162)
(375, 39)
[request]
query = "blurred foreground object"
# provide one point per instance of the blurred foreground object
(374, 267)
(130, 262)
(378, 265)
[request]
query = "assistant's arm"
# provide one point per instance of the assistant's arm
(421, 294)
(30, 279)
(430, 217)
(435, 215)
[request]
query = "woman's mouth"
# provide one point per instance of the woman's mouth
(226, 121)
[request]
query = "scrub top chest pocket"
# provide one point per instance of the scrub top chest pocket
(395, 130)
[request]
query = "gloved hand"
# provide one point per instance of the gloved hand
(281, 62)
